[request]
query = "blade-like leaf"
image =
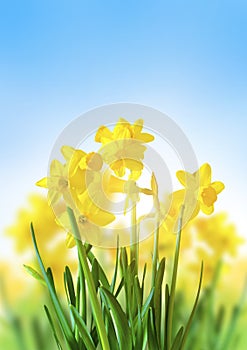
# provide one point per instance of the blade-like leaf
(69, 286)
(177, 340)
(157, 301)
(35, 274)
(186, 331)
(120, 320)
(52, 327)
(152, 335)
(85, 335)
(57, 306)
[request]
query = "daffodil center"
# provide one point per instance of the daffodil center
(62, 183)
(209, 196)
(82, 219)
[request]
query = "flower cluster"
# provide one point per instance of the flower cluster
(86, 181)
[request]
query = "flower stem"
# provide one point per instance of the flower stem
(155, 251)
(134, 248)
(174, 281)
(96, 309)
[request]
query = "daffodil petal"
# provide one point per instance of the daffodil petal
(103, 135)
(145, 137)
(56, 168)
(137, 126)
(42, 182)
(181, 176)
(205, 174)
(218, 186)
(100, 217)
(207, 209)
(67, 152)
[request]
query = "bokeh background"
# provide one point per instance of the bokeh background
(59, 59)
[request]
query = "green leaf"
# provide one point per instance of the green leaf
(85, 335)
(119, 288)
(157, 301)
(95, 274)
(120, 320)
(187, 328)
(102, 276)
(52, 327)
(34, 274)
(152, 336)
(177, 340)
(57, 306)
(69, 286)
(114, 279)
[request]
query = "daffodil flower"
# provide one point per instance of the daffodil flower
(90, 218)
(200, 182)
(123, 147)
(57, 182)
(200, 193)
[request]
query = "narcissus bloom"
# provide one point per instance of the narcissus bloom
(57, 182)
(123, 147)
(204, 189)
(90, 218)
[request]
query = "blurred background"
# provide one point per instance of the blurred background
(59, 59)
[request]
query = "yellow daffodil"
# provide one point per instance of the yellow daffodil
(57, 182)
(123, 147)
(90, 219)
(204, 189)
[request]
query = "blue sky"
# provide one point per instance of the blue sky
(60, 58)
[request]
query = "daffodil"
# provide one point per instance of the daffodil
(57, 182)
(201, 186)
(123, 147)
(90, 219)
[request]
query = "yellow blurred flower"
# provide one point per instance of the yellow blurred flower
(123, 147)
(48, 234)
(40, 213)
(218, 234)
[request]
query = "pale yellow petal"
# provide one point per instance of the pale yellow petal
(181, 176)
(67, 152)
(42, 182)
(137, 126)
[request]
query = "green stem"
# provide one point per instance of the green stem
(173, 284)
(134, 239)
(155, 251)
(96, 309)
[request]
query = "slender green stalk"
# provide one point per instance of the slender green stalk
(155, 250)
(134, 239)
(96, 309)
(173, 284)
